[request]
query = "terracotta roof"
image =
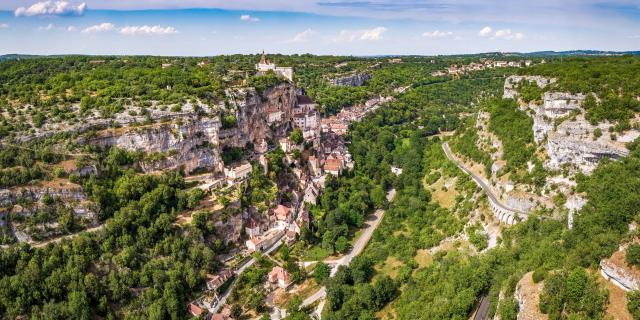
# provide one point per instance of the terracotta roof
(194, 309)
(219, 279)
(332, 165)
(277, 273)
(282, 212)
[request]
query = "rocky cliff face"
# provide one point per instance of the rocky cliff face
(195, 140)
(512, 82)
(355, 80)
(252, 112)
(528, 296)
(10, 197)
(569, 138)
(623, 277)
(191, 142)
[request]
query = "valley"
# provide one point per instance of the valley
(297, 187)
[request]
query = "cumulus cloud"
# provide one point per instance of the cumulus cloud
(4, 25)
(485, 32)
(147, 30)
(437, 34)
(505, 34)
(51, 8)
(72, 28)
(249, 18)
(303, 36)
(103, 27)
(365, 34)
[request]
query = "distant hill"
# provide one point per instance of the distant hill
(17, 56)
(582, 53)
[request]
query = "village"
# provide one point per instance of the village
(457, 70)
(266, 231)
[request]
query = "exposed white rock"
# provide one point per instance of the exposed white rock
(622, 277)
(520, 203)
(570, 138)
(11, 196)
(527, 294)
(575, 203)
(354, 80)
(511, 83)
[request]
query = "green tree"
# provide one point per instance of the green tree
(321, 272)
(296, 136)
(633, 254)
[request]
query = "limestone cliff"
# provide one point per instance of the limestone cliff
(354, 80)
(617, 271)
(512, 82)
(569, 139)
(10, 197)
(195, 140)
(261, 117)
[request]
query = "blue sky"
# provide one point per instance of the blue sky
(356, 27)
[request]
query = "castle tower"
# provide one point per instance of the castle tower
(262, 58)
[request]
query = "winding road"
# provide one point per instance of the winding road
(478, 180)
(358, 247)
(223, 299)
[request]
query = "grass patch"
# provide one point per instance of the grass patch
(423, 258)
(445, 198)
(390, 267)
(317, 254)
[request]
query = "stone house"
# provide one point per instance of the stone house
(280, 277)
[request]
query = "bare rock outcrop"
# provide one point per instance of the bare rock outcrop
(12, 196)
(528, 296)
(616, 270)
(191, 143)
(512, 82)
(195, 141)
(560, 125)
(354, 80)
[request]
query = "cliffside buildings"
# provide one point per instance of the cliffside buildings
(265, 65)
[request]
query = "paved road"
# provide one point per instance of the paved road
(482, 312)
(237, 272)
(358, 247)
(478, 180)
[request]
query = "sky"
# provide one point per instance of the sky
(334, 27)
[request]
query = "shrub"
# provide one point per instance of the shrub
(539, 275)
(633, 254)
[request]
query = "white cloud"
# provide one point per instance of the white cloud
(72, 28)
(147, 30)
(246, 17)
(103, 27)
(4, 25)
(507, 34)
(485, 32)
(437, 34)
(303, 36)
(365, 34)
(51, 8)
(48, 27)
